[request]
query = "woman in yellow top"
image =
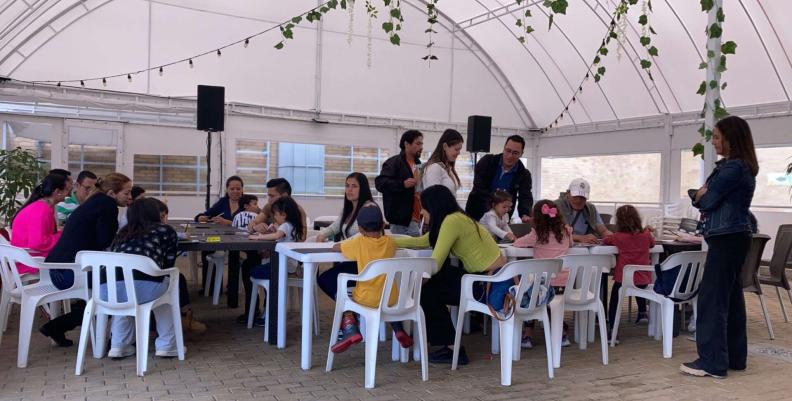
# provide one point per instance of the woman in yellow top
(372, 244)
(450, 231)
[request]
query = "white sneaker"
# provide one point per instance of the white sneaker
(565, 341)
(526, 342)
(168, 353)
(122, 352)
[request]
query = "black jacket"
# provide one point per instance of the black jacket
(397, 200)
(91, 227)
(479, 199)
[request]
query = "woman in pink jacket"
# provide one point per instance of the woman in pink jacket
(34, 227)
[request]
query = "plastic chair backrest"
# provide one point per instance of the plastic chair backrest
(585, 275)
(690, 273)
(533, 274)
(606, 218)
(404, 273)
(751, 266)
(105, 264)
(782, 252)
(9, 257)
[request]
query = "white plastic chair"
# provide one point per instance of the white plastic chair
(30, 296)
(214, 272)
(581, 295)
(690, 274)
(531, 273)
(290, 282)
(325, 219)
(406, 274)
(106, 262)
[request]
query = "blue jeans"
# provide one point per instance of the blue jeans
(413, 230)
(328, 280)
(122, 328)
(261, 272)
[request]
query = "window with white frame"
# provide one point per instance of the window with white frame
(633, 178)
(773, 184)
(91, 148)
(256, 163)
(340, 161)
(159, 174)
(35, 137)
(303, 166)
(99, 160)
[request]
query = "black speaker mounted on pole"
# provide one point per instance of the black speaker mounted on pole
(478, 135)
(211, 118)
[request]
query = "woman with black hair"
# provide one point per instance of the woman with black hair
(223, 212)
(146, 235)
(450, 231)
(34, 224)
(356, 193)
(724, 202)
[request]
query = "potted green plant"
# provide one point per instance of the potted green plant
(19, 172)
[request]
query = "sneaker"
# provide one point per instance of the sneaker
(692, 337)
(642, 318)
(168, 353)
(259, 321)
(403, 338)
(58, 337)
(121, 352)
(526, 342)
(351, 334)
(614, 342)
(445, 356)
(565, 341)
(693, 369)
(347, 342)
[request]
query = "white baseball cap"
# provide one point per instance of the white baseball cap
(579, 187)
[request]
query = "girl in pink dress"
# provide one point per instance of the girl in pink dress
(550, 238)
(34, 227)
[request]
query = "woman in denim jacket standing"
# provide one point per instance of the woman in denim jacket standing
(724, 201)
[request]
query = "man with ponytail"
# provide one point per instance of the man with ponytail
(91, 227)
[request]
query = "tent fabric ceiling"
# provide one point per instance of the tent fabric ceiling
(482, 67)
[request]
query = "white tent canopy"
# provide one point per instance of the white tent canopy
(482, 68)
(629, 135)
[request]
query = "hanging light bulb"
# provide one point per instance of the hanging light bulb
(161, 70)
(219, 53)
(129, 77)
(191, 63)
(247, 42)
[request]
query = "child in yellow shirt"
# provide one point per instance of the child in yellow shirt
(372, 244)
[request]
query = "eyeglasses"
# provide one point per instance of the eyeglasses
(512, 152)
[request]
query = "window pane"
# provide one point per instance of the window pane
(100, 160)
(773, 185)
(689, 169)
(170, 173)
(613, 178)
(303, 166)
(253, 164)
(42, 150)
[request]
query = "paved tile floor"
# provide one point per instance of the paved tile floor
(230, 362)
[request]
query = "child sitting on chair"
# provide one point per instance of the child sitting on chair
(249, 204)
(372, 244)
(550, 238)
(496, 220)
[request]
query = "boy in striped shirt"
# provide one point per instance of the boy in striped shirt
(250, 209)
